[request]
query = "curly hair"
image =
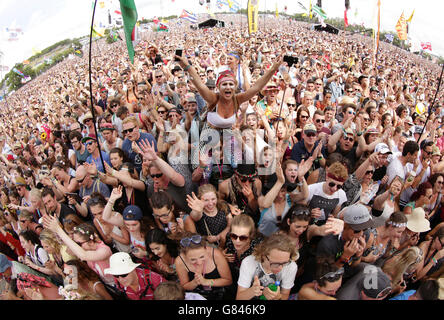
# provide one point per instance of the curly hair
(339, 170)
(279, 241)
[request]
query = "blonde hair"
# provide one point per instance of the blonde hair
(398, 264)
(130, 119)
(279, 241)
(50, 238)
(36, 193)
(25, 214)
(244, 221)
(169, 290)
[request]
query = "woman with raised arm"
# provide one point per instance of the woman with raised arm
(223, 106)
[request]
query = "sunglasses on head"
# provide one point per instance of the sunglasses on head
(235, 237)
(186, 242)
(299, 212)
(159, 175)
(332, 185)
(333, 276)
(128, 130)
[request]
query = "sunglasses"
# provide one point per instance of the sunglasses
(186, 242)
(291, 105)
(332, 184)
(128, 130)
(277, 264)
(333, 276)
(310, 134)
(81, 180)
(304, 117)
(350, 91)
(301, 212)
(243, 179)
(122, 275)
(89, 143)
(320, 120)
(161, 112)
(23, 221)
(369, 172)
(159, 175)
(114, 105)
(80, 243)
(158, 77)
(241, 238)
(349, 139)
(428, 152)
(366, 119)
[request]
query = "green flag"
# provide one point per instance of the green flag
(129, 15)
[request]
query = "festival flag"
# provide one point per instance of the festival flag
(233, 5)
(401, 27)
(318, 10)
(26, 62)
(345, 19)
(252, 15)
(311, 11)
(129, 15)
(162, 27)
(156, 20)
(188, 16)
(389, 37)
(277, 11)
(426, 46)
(18, 72)
(303, 8)
(376, 33)
(98, 32)
(411, 17)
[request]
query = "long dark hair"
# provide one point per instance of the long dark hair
(159, 236)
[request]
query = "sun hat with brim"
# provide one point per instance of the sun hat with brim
(417, 222)
(372, 130)
(87, 116)
(106, 126)
(5, 263)
(120, 263)
(20, 181)
(358, 217)
(436, 151)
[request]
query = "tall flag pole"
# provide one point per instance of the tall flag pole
(347, 6)
(376, 42)
(90, 86)
(311, 11)
(409, 20)
(129, 16)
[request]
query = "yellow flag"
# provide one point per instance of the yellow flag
(102, 4)
(411, 16)
(253, 20)
(230, 3)
(277, 11)
(311, 11)
(401, 27)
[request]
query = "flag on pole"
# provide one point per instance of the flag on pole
(389, 37)
(277, 11)
(376, 33)
(155, 20)
(401, 27)
(345, 19)
(18, 72)
(311, 11)
(411, 17)
(318, 10)
(426, 46)
(188, 16)
(252, 15)
(129, 15)
(98, 32)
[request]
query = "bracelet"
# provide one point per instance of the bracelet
(211, 283)
(187, 67)
(203, 167)
(435, 262)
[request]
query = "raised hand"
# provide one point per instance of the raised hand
(52, 223)
(257, 288)
(195, 203)
(148, 150)
(116, 194)
(304, 166)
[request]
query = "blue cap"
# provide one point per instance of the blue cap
(132, 212)
(4, 263)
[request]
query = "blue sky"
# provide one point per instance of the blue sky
(45, 22)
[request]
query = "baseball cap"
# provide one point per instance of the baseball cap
(374, 89)
(382, 148)
(358, 217)
(91, 136)
(132, 212)
(211, 83)
(310, 128)
(379, 288)
(417, 129)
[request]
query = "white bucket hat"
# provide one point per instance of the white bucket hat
(417, 222)
(120, 263)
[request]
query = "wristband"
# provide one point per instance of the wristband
(359, 133)
(435, 262)
(211, 283)
(187, 67)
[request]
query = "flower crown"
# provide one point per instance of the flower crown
(87, 232)
(397, 225)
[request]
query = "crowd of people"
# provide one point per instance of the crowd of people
(285, 165)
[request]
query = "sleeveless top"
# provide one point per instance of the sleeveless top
(100, 266)
(211, 225)
(217, 121)
(137, 243)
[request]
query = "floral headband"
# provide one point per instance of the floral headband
(397, 225)
(86, 232)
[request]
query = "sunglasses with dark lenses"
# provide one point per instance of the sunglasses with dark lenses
(429, 152)
(366, 119)
(243, 179)
(310, 134)
(320, 120)
(89, 143)
(159, 175)
(161, 111)
(122, 275)
(128, 130)
(299, 212)
(333, 276)
(291, 105)
(332, 184)
(349, 139)
(235, 237)
(350, 91)
(369, 172)
(114, 105)
(186, 242)
(304, 117)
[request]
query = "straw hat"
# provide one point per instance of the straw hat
(417, 222)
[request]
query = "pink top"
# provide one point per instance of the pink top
(440, 143)
(100, 266)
